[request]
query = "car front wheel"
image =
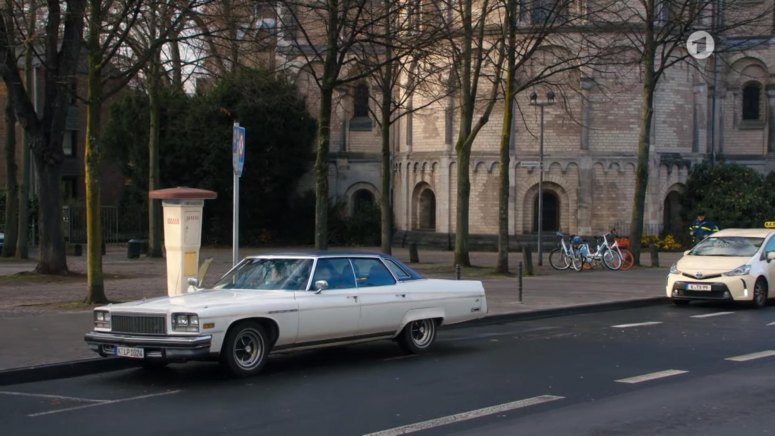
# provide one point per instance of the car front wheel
(417, 336)
(759, 294)
(245, 349)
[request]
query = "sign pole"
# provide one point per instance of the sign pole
(238, 162)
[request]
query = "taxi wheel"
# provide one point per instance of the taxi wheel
(759, 294)
(245, 349)
(417, 336)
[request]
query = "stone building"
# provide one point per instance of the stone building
(589, 152)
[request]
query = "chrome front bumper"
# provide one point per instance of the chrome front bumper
(161, 347)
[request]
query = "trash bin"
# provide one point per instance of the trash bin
(133, 248)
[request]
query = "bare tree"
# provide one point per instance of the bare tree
(109, 29)
(45, 126)
(324, 37)
(658, 30)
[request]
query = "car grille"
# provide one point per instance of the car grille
(140, 324)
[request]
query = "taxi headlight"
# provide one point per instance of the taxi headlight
(185, 322)
(674, 269)
(739, 271)
(102, 319)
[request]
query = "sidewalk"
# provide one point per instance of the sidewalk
(41, 322)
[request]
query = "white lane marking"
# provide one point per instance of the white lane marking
(465, 416)
(752, 356)
(772, 323)
(708, 315)
(651, 376)
(102, 403)
(55, 397)
(637, 324)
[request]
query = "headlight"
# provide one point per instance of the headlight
(739, 271)
(674, 269)
(102, 319)
(185, 322)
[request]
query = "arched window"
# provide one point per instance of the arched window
(752, 92)
(361, 120)
(427, 210)
(362, 201)
(551, 212)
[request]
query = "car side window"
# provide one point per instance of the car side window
(397, 270)
(770, 246)
(337, 272)
(372, 272)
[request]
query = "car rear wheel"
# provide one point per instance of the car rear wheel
(417, 336)
(759, 294)
(245, 349)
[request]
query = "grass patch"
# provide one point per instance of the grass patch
(66, 305)
(33, 277)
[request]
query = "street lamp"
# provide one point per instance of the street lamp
(534, 101)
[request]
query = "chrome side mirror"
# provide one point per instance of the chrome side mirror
(320, 285)
(193, 284)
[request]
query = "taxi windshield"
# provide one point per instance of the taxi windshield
(268, 274)
(734, 246)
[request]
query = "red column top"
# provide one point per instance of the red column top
(182, 193)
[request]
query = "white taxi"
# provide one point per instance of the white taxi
(729, 265)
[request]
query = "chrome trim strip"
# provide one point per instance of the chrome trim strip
(169, 341)
(271, 312)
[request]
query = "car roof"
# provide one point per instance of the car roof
(319, 254)
(756, 233)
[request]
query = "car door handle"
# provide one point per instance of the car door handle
(354, 297)
(401, 295)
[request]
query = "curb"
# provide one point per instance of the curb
(53, 371)
(98, 365)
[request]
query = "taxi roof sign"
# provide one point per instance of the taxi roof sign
(769, 224)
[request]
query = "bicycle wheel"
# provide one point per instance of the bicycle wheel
(577, 263)
(611, 260)
(558, 260)
(627, 260)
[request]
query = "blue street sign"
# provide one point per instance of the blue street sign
(238, 149)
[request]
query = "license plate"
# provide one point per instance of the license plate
(697, 287)
(134, 353)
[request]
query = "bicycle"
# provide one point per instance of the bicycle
(602, 255)
(564, 256)
(621, 245)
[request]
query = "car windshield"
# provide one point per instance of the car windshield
(738, 246)
(268, 274)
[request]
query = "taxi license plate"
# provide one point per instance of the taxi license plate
(134, 353)
(697, 287)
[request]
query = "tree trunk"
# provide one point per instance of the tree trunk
(11, 187)
(502, 263)
(52, 259)
(644, 138)
(321, 169)
(385, 207)
(463, 194)
(92, 160)
(154, 206)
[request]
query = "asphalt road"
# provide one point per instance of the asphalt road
(653, 370)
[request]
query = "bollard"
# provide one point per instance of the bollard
(457, 271)
(654, 255)
(520, 282)
(527, 257)
(413, 256)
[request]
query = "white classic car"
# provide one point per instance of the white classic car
(729, 265)
(282, 302)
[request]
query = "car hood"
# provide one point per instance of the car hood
(204, 299)
(708, 265)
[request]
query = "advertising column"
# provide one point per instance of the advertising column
(182, 233)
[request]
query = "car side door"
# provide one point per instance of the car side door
(330, 312)
(769, 265)
(381, 297)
